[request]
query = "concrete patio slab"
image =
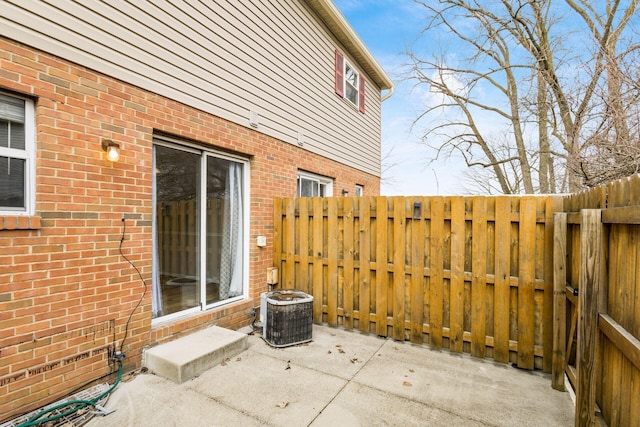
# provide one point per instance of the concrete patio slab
(343, 378)
(359, 405)
(150, 400)
(333, 351)
(275, 391)
(475, 389)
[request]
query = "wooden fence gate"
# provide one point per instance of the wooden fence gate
(597, 294)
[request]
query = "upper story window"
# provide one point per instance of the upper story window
(349, 83)
(311, 185)
(359, 190)
(17, 158)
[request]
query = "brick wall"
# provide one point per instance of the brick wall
(65, 291)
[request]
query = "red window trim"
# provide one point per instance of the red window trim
(361, 93)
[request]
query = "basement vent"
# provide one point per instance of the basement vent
(288, 319)
(254, 119)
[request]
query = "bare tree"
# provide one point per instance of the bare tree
(513, 66)
(610, 149)
(389, 162)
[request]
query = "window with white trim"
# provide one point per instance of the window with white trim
(17, 156)
(349, 83)
(312, 185)
(359, 190)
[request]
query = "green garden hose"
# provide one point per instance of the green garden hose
(75, 404)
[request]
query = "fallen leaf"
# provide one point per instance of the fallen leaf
(282, 404)
(329, 352)
(411, 370)
(354, 360)
(407, 384)
(340, 350)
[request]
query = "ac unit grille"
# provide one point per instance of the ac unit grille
(289, 318)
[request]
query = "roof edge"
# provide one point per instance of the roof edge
(343, 31)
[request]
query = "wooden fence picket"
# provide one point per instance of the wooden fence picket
(382, 275)
(332, 262)
(417, 293)
(436, 272)
(456, 282)
(365, 265)
(479, 277)
(400, 218)
(348, 273)
(318, 259)
(526, 283)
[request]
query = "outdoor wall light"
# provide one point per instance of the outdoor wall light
(112, 149)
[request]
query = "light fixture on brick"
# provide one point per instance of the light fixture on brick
(112, 149)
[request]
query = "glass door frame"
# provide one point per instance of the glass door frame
(245, 228)
(205, 153)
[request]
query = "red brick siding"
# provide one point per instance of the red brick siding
(65, 291)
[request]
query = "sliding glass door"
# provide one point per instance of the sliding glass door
(199, 229)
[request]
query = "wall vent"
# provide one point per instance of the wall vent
(254, 119)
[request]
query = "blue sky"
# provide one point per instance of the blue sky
(388, 28)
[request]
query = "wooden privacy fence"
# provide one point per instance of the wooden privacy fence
(597, 303)
(469, 274)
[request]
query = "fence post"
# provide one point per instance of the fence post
(589, 288)
(559, 300)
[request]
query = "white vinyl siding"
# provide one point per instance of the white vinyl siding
(227, 58)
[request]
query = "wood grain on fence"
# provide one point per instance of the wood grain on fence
(453, 272)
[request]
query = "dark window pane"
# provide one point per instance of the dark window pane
(351, 93)
(12, 182)
(17, 136)
(177, 176)
(4, 133)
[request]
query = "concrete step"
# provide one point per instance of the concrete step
(187, 357)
